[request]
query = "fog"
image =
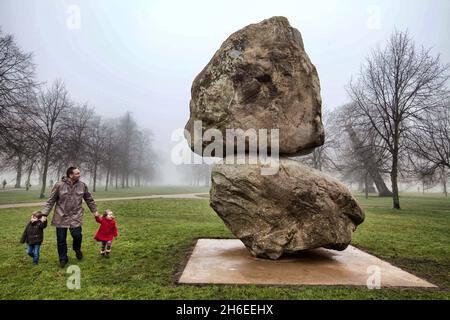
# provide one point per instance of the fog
(142, 56)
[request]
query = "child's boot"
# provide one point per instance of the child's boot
(102, 249)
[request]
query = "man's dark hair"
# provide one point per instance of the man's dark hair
(70, 171)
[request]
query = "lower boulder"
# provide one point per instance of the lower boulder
(297, 208)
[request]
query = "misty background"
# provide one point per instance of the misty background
(142, 56)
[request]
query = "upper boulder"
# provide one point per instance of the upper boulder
(260, 78)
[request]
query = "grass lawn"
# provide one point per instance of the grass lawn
(156, 235)
(32, 195)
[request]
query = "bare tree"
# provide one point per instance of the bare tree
(396, 86)
(110, 160)
(18, 150)
(17, 73)
(96, 147)
(429, 144)
(429, 139)
(143, 158)
(127, 133)
(78, 123)
(46, 123)
(320, 158)
(17, 84)
(42, 130)
(443, 176)
(32, 162)
(367, 148)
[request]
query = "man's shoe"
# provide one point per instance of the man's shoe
(63, 263)
(79, 254)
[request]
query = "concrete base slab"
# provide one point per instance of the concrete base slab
(227, 261)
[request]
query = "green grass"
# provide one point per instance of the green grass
(416, 238)
(155, 237)
(32, 195)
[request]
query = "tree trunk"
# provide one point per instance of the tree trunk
(40, 170)
(95, 177)
(44, 174)
(366, 184)
(370, 185)
(19, 172)
(367, 159)
(30, 171)
(444, 181)
(383, 190)
(58, 174)
(394, 172)
(361, 182)
(107, 178)
(445, 188)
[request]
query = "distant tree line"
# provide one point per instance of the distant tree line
(44, 130)
(195, 174)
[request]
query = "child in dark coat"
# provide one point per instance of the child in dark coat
(33, 235)
(106, 232)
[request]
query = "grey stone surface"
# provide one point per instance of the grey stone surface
(226, 261)
(298, 208)
(261, 78)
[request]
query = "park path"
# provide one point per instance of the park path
(154, 196)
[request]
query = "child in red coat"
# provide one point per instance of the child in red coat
(106, 232)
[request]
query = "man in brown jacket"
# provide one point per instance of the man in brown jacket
(68, 194)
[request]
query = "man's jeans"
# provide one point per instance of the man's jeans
(33, 251)
(61, 236)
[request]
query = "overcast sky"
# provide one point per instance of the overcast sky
(142, 56)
